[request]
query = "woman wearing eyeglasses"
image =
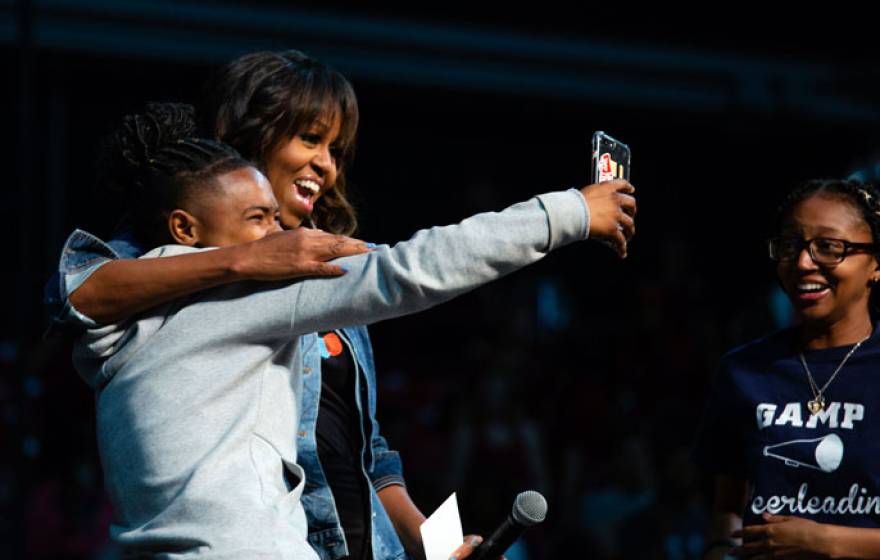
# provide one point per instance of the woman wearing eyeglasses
(792, 430)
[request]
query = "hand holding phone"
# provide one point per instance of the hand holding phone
(612, 208)
(612, 211)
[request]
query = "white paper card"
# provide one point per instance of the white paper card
(441, 533)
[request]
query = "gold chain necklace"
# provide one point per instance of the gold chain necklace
(818, 402)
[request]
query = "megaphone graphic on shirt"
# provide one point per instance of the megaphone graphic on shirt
(823, 454)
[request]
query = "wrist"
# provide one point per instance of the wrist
(587, 222)
(825, 541)
(237, 262)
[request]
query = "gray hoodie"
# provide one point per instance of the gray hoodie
(197, 400)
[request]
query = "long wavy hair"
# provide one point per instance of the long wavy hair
(261, 100)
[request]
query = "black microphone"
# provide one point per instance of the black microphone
(529, 508)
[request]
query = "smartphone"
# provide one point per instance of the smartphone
(611, 159)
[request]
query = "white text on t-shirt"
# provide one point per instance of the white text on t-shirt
(793, 414)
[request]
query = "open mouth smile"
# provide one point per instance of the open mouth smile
(306, 190)
(811, 291)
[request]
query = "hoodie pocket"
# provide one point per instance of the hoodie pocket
(281, 481)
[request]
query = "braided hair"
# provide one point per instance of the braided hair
(862, 196)
(260, 100)
(155, 164)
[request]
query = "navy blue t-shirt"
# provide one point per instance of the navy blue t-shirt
(757, 427)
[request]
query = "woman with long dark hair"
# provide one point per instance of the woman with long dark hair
(296, 119)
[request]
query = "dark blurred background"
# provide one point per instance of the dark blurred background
(582, 377)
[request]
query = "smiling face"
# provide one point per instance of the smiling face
(241, 208)
(828, 294)
(303, 168)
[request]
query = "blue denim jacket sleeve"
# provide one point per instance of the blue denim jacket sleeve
(82, 254)
(387, 467)
(384, 467)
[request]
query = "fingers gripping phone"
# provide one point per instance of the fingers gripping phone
(611, 159)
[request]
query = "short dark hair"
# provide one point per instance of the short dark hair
(262, 99)
(154, 162)
(862, 196)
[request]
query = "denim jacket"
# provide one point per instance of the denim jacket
(381, 465)
(84, 253)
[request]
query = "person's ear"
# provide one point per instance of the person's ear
(184, 227)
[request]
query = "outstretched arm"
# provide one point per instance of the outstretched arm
(441, 263)
(122, 288)
(434, 266)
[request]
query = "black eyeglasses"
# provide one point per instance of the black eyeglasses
(823, 250)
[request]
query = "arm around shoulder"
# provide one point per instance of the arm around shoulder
(122, 288)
